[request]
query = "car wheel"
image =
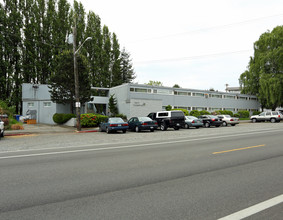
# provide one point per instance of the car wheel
(137, 129)
(152, 130)
(107, 130)
(224, 123)
(207, 124)
(197, 127)
(124, 131)
(163, 126)
(176, 128)
(187, 126)
(272, 120)
(100, 129)
(254, 120)
(233, 124)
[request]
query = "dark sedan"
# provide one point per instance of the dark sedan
(192, 121)
(210, 120)
(113, 125)
(142, 123)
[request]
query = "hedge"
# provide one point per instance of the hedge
(186, 112)
(92, 120)
(61, 118)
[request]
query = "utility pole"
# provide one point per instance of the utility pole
(76, 75)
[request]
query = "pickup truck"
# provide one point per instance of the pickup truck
(168, 119)
(272, 116)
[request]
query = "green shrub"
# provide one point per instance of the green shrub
(91, 120)
(186, 112)
(256, 112)
(195, 113)
(61, 118)
(168, 108)
(244, 114)
(121, 116)
(236, 115)
(204, 112)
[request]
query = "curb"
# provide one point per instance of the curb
(17, 134)
(87, 131)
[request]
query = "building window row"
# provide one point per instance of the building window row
(196, 94)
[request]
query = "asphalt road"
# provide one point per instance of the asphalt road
(210, 175)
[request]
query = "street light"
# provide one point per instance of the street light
(76, 74)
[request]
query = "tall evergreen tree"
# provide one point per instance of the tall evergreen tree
(127, 70)
(106, 58)
(116, 76)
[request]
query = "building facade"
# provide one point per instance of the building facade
(137, 100)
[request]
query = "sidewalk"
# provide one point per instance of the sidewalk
(46, 129)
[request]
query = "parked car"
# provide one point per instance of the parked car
(210, 120)
(1, 128)
(168, 119)
(192, 121)
(272, 116)
(228, 120)
(113, 124)
(142, 123)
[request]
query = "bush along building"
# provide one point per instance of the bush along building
(137, 100)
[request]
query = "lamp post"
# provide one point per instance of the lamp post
(76, 75)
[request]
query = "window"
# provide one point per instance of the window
(216, 96)
(46, 104)
(253, 99)
(230, 109)
(140, 90)
(163, 114)
(181, 93)
(229, 96)
(30, 104)
(199, 108)
(242, 98)
(198, 94)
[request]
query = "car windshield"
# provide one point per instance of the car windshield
(115, 120)
(144, 119)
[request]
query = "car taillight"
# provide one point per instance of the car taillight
(144, 123)
(155, 123)
(213, 119)
(231, 119)
(113, 125)
(278, 116)
(125, 124)
(193, 121)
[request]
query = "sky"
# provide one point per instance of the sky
(200, 44)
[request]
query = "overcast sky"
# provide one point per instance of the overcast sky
(196, 44)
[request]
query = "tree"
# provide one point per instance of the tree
(127, 71)
(113, 105)
(176, 86)
(62, 80)
(154, 83)
(264, 77)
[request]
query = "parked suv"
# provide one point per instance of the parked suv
(1, 128)
(210, 120)
(168, 119)
(272, 116)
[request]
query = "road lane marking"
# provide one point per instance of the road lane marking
(254, 209)
(169, 141)
(243, 148)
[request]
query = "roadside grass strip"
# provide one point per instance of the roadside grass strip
(237, 149)
(254, 209)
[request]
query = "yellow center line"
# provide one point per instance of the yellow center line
(20, 136)
(244, 148)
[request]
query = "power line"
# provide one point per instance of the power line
(208, 28)
(193, 57)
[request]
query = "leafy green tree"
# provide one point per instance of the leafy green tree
(168, 108)
(176, 86)
(116, 76)
(62, 80)
(113, 105)
(154, 83)
(264, 77)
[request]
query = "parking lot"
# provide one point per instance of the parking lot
(69, 138)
